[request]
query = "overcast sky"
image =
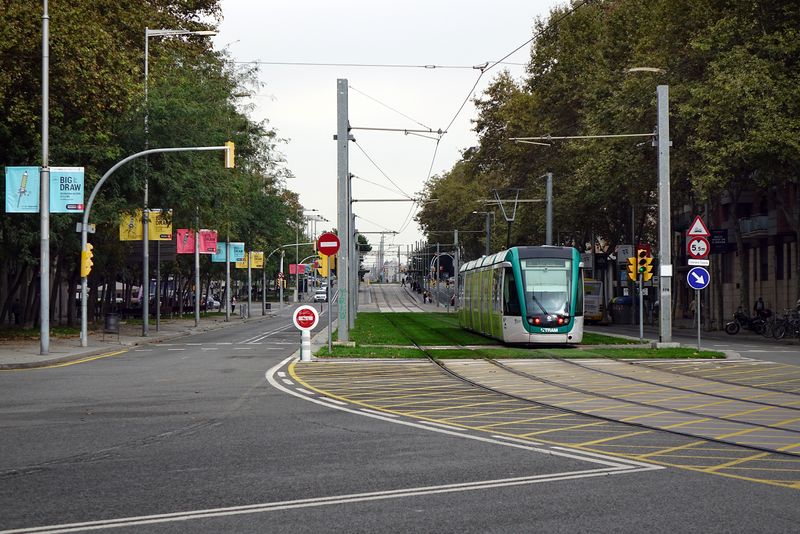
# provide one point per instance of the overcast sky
(300, 101)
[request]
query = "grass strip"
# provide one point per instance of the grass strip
(590, 338)
(369, 352)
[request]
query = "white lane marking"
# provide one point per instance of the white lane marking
(320, 501)
(260, 337)
(209, 348)
(518, 440)
(242, 348)
(301, 390)
(376, 412)
(223, 343)
(287, 381)
(440, 425)
(328, 399)
(281, 374)
(574, 454)
(633, 463)
(176, 349)
(194, 344)
(143, 350)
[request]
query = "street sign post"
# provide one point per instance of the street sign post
(698, 247)
(305, 318)
(328, 244)
(698, 278)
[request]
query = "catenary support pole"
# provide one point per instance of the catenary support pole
(343, 206)
(197, 272)
(664, 222)
(548, 240)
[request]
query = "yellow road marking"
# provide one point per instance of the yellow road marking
(671, 449)
(604, 440)
(736, 462)
(73, 362)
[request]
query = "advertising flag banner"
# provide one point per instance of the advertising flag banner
(297, 268)
(185, 241)
(130, 226)
(160, 227)
(257, 260)
(66, 189)
(208, 241)
(22, 189)
(237, 251)
(243, 263)
(219, 255)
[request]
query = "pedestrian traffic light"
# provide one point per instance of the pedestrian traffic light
(632, 268)
(230, 150)
(86, 260)
(644, 264)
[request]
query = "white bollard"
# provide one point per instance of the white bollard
(305, 346)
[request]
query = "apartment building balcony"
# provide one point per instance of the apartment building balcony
(758, 226)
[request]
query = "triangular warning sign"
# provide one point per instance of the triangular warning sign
(698, 227)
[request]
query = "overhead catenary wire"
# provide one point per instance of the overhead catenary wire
(387, 106)
(357, 144)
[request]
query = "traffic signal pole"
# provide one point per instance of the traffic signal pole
(87, 210)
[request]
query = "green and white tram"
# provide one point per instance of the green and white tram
(524, 295)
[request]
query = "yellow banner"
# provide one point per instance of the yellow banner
(159, 229)
(130, 226)
(243, 264)
(257, 259)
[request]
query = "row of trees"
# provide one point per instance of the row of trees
(97, 112)
(732, 70)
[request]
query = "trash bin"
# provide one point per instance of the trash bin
(268, 305)
(111, 325)
(622, 310)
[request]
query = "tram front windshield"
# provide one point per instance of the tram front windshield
(547, 285)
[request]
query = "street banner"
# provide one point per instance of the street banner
(184, 241)
(243, 263)
(130, 226)
(295, 268)
(66, 189)
(257, 260)
(160, 227)
(235, 252)
(219, 255)
(208, 241)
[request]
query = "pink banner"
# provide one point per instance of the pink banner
(293, 267)
(185, 243)
(208, 241)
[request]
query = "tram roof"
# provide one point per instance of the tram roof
(543, 251)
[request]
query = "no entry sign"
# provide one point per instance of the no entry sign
(305, 318)
(328, 244)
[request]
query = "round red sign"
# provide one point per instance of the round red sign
(328, 244)
(305, 317)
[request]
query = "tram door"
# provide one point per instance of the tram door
(510, 295)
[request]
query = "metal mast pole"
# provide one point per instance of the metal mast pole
(197, 273)
(228, 294)
(343, 205)
(144, 294)
(280, 283)
(488, 233)
(354, 251)
(44, 193)
(548, 239)
(664, 222)
(456, 268)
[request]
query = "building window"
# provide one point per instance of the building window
(779, 260)
(764, 260)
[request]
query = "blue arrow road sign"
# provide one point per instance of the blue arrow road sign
(698, 278)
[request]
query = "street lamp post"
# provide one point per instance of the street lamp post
(145, 293)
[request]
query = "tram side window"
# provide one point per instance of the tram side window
(510, 296)
(496, 289)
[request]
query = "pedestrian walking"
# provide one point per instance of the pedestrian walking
(233, 304)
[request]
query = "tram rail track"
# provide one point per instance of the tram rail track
(749, 426)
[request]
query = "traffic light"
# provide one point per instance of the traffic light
(632, 268)
(230, 151)
(644, 264)
(323, 265)
(86, 260)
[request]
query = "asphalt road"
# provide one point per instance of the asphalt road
(191, 437)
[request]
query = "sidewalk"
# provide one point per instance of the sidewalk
(24, 354)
